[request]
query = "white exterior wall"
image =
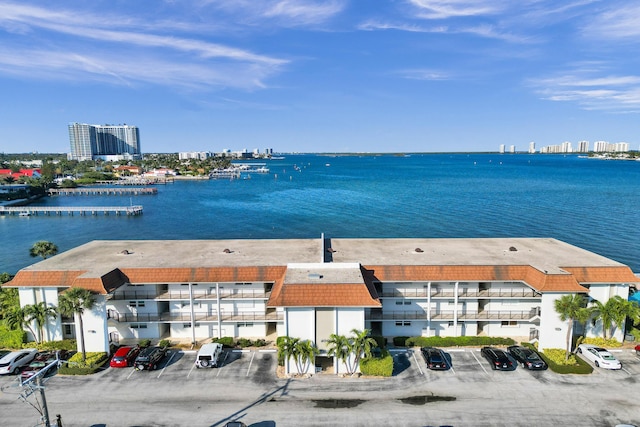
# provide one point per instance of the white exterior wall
(300, 323)
(553, 331)
(96, 334)
(347, 319)
(52, 330)
(602, 292)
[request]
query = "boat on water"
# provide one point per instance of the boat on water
(24, 213)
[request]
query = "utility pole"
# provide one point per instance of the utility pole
(45, 410)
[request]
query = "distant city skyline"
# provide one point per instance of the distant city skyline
(321, 75)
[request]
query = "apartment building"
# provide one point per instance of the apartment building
(106, 142)
(310, 288)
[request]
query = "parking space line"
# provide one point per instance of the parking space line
(192, 368)
(626, 370)
(413, 353)
(474, 356)
(250, 362)
(131, 373)
(173, 353)
(226, 354)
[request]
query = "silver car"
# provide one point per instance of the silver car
(12, 362)
(599, 356)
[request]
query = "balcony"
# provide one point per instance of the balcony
(462, 315)
(169, 317)
(462, 293)
(197, 295)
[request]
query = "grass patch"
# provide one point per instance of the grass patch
(377, 366)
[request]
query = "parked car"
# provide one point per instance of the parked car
(638, 350)
(434, 358)
(3, 353)
(12, 362)
(124, 357)
(149, 358)
(42, 360)
(498, 359)
(599, 356)
(235, 424)
(208, 355)
(527, 357)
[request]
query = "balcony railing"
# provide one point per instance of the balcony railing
(461, 315)
(462, 293)
(198, 316)
(184, 295)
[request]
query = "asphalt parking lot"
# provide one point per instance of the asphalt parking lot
(245, 387)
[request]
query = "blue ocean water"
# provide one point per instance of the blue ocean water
(586, 202)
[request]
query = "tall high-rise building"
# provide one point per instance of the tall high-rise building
(108, 142)
(583, 146)
(532, 147)
(501, 149)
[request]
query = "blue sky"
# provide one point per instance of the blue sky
(321, 76)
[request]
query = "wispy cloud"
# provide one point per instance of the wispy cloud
(443, 9)
(91, 46)
(425, 74)
(285, 13)
(616, 22)
(606, 92)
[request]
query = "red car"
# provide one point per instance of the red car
(124, 357)
(638, 350)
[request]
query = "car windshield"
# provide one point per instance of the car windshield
(118, 358)
(532, 356)
(607, 356)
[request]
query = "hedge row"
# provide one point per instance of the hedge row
(69, 345)
(452, 341)
(75, 366)
(241, 342)
(380, 367)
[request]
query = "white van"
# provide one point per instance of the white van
(208, 355)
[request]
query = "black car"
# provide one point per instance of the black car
(528, 358)
(149, 358)
(498, 359)
(434, 358)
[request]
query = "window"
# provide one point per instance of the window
(450, 323)
(138, 326)
(509, 323)
(243, 283)
(407, 303)
(136, 303)
(403, 323)
(245, 325)
(68, 329)
(398, 302)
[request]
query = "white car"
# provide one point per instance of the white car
(12, 362)
(599, 356)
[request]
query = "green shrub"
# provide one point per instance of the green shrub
(400, 341)
(260, 343)
(145, 342)
(244, 342)
(380, 340)
(601, 342)
(11, 338)
(75, 366)
(164, 343)
(555, 359)
(379, 367)
(69, 345)
(457, 341)
(225, 341)
(636, 333)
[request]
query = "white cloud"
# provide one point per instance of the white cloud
(285, 13)
(116, 50)
(443, 9)
(614, 93)
(621, 22)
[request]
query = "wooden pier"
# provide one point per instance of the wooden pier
(27, 211)
(93, 191)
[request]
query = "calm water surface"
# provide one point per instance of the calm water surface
(586, 202)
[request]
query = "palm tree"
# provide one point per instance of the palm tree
(16, 318)
(40, 313)
(305, 354)
(362, 344)
(571, 308)
(43, 249)
(287, 347)
(614, 313)
(340, 347)
(73, 303)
